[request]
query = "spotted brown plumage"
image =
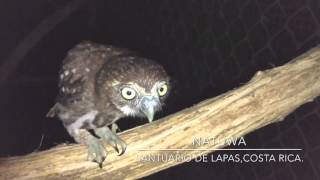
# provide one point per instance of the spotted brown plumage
(100, 84)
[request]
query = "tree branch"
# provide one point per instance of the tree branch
(268, 97)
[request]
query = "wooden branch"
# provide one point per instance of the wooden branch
(10, 64)
(269, 97)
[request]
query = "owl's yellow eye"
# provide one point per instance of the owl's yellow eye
(163, 90)
(128, 93)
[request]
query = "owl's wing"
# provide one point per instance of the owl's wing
(79, 69)
(74, 74)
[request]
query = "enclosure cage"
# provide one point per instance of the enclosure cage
(208, 47)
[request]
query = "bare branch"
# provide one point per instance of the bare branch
(268, 97)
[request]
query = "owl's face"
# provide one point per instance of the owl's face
(135, 100)
(136, 86)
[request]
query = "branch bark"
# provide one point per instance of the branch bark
(267, 98)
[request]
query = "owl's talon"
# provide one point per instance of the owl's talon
(111, 138)
(96, 152)
(123, 147)
(120, 146)
(116, 149)
(100, 165)
(101, 162)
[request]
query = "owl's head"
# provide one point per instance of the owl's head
(136, 86)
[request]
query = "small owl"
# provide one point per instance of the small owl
(100, 84)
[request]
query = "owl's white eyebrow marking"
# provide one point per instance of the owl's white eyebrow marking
(87, 69)
(87, 118)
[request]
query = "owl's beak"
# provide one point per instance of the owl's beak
(148, 104)
(150, 114)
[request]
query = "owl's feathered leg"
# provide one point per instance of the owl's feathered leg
(108, 136)
(96, 150)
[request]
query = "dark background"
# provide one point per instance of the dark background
(207, 46)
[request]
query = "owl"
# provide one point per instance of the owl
(98, 85)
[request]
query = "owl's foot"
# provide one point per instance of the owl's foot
(96, 151)
(111, 138)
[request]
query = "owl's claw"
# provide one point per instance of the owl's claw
(122, 144)
(111, 138)
(96, 152)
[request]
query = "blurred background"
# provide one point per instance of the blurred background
(207, 46)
